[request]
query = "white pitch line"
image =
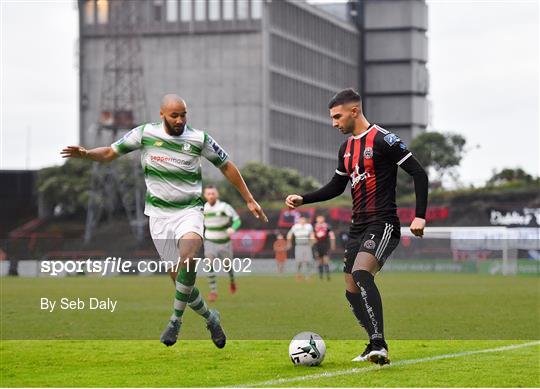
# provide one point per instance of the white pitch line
(376, 367)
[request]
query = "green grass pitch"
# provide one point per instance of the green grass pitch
(432, 321)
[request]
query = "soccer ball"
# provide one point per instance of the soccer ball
(307, 348)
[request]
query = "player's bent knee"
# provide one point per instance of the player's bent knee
(362, 278)
(190, 244)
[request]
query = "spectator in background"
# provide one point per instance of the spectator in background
(280, 250)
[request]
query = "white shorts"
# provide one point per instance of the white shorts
(218, 250)
(303, 253)
(167, 231)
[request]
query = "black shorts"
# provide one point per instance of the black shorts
(377, 238)
(322, 248)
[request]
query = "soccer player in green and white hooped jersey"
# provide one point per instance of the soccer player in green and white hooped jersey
(171, 159)
(220, 222)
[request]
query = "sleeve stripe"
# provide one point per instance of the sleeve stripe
(404, 159)
(341, 173)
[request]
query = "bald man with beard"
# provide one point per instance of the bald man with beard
(171, 154)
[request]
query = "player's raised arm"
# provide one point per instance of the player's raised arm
(213, 152)
(129, 142)
(334, 188)
(231, 172)
(99, 154)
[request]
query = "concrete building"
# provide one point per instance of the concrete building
(258, 74)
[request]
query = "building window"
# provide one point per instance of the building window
(213, 9)
(185, 10)
(228, 9)
(90, 12)
(242, 7)
(200, 10)
(172, 10)
(157, 10)
(256, 9)
(102, 11)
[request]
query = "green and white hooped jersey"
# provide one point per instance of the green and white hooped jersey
(171, 165)
(217, 219)
(301, 233)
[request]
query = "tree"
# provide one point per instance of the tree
(268, 183)
(440, 154)
(65, 186)
(508, 175)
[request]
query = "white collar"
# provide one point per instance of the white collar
(364, 133)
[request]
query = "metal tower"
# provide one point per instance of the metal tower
(123, 107)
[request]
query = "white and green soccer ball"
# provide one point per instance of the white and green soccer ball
(307, 348)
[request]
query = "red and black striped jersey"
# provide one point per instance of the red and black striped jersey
(370, 160)
(322, 231)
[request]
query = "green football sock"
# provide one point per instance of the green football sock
(184, 286)
(212, 280)
(197, 303)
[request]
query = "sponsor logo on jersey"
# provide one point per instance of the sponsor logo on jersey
(356, 177)
(218, 150)
(369, 244)
(391, 139)
(346, 155)
(176, 161)
(368, 153)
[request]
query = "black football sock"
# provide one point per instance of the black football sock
(355, 302)
(320, 271)
(371, 305)
(327, 269)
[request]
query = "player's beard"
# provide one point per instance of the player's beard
(349, 128)
(172, 130)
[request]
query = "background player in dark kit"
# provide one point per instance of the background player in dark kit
(325, 240)
(369, 159)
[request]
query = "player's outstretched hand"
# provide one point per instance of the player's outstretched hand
(257, 211)
(417, 226)
(293, 201)
(73, 152)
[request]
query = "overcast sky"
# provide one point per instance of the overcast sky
(483, 63)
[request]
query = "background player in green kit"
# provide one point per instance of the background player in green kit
(171, 154)
(220, 222)
(302, 232)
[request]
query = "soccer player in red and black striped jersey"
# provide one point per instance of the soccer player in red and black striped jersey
(369, 159)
